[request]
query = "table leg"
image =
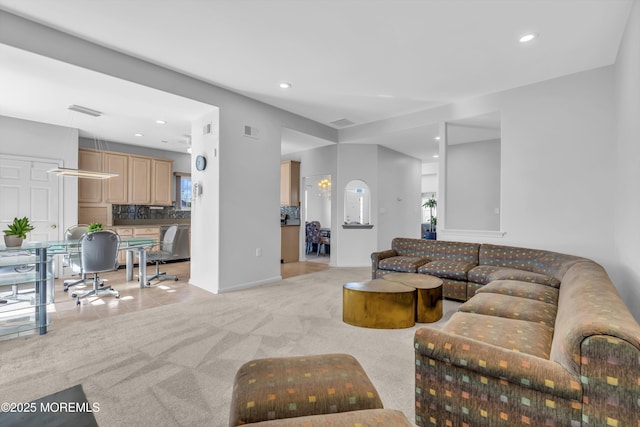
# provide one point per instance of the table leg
(41, 290)
(129, 265)
(142, 267)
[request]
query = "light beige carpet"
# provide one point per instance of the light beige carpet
(174, 365)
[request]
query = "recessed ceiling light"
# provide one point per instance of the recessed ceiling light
(527, 37)
(161, 122)
(138, 134)
(285, 85)
(435, 156)
(437, 138)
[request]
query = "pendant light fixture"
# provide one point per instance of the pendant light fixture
(83, 173)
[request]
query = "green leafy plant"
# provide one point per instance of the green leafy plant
(94, 226)
(431, 203)
(20, 227)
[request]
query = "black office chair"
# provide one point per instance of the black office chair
(72, 257)
(163, 253)
(98, 253)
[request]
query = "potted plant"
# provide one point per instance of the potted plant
(431, 203)
(17, 232)
(93, 227)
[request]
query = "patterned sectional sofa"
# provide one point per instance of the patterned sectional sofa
(466, 267)
(544, 339)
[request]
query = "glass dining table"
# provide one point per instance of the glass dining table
(129, 244)
(39, 256)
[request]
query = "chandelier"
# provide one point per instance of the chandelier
(324, 188)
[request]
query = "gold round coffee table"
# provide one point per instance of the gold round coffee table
(380, 304)
(429, 288)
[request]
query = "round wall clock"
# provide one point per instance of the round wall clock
(201, 163)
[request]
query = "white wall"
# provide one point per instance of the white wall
(356, 161)
(399, 197)
(624, 214)
(205, 207)
(44, 141)
(473, 185)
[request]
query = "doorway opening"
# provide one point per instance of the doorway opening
(317, 218)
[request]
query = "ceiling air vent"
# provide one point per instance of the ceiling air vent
(85, 110)
(342, 123)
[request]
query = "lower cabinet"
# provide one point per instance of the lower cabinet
(289, 243)
(152, 232)
(123, 232)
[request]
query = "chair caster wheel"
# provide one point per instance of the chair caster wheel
(74, 295)
(66, 289)
(78, 302)
(176, 279)
(117, 296)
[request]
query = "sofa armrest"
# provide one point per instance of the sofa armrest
(377, 256)
(488, 360)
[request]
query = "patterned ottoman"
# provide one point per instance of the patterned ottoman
(287, 387)
(369, 417)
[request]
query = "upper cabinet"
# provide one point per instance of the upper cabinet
(115, 189)
(161, 182)
(289, 183)
(141, 180)
(89, 190)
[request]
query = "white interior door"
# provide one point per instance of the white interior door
(26, 189)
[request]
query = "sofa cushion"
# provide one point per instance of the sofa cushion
(447, 269)
(454, 251)
(405, 246)
(511, 334)
(511, 307)
(488, 273)
(521, 289)
(368, 417)
(552, 264)
(407, 264)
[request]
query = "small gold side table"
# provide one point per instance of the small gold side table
(380, 304)
(429, 301)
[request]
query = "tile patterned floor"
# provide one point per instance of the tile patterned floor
(133, 298)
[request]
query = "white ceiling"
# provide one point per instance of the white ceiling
(347, 59)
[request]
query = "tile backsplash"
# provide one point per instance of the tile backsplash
(132, 212)
(292, 212)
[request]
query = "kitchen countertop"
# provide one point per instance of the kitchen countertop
(150, 222)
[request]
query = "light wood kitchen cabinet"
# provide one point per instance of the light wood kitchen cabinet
(161, 182)
(289, 243)
(99, 213)
(115, 189)
(289, 183)
(89, 190)
(139, 180)
(123, 232)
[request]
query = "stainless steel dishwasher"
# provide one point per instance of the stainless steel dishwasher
(181, 242)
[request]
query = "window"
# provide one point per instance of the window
(183, 191)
